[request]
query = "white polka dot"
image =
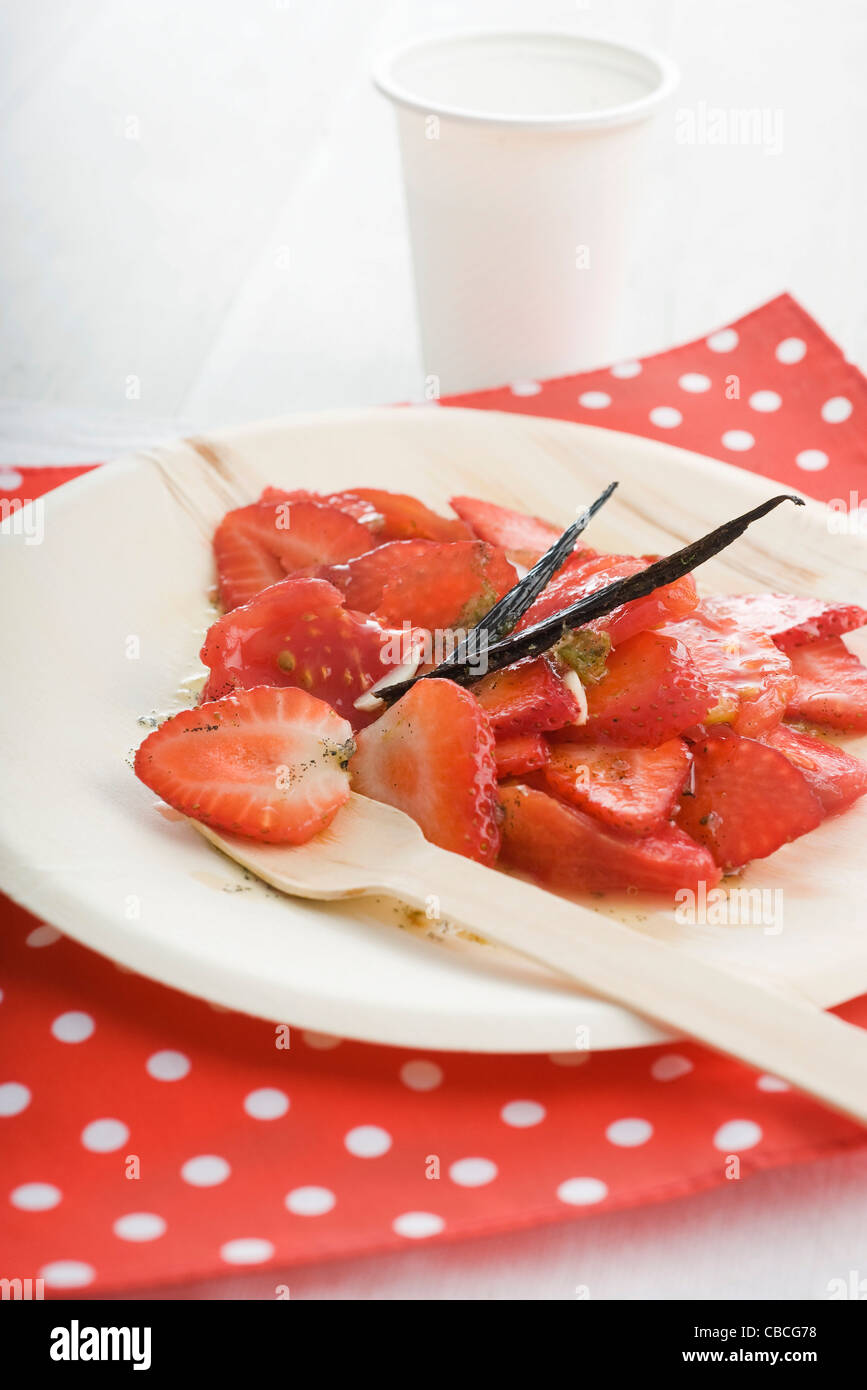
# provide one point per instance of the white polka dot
(625, 370)
(736, 1135)
(525, 388)
(139, 1225)
(665, 417)
(266, 1104)
(417, 1225)
(205, 1170)
(473, 1172)
(694, 382)
(43, 936)
(790, 350)
(247, 1251)
(578, 1058)
(772, 1083)
(73, 1027)
(628, 1134)
(168, 1066)
(368, 1141)
(521, 1114)
(104, 1136)
(35, 1196)
(726, 340)
(321, 1042)
(13, 1098)
(421, 1075)
(10, 479)
(310, 1201)
(582, 1192)
(738, 440)
(812, 460)
(766, 401)
(594, 400)
(836, 410)
(669, 1068)
(67, 1274)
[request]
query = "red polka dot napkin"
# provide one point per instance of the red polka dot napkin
(149, 1138)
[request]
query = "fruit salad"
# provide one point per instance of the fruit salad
(447, 665)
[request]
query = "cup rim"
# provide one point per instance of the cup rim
(621, 114)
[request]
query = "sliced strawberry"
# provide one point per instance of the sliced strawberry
(835, 776)
(524, 538)
(405, 518)
(582, 575)
(751, 677)
(564, 848)
(635, 788)
(831, 685)
(520, 753)
(432, 755)
(650, 692)
(347, 502)
(527, 698)
(269, 764)
(786, 619)
(746, 799)
(298, 633)
(258, 545)
(431, 584)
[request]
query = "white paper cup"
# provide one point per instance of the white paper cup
(521, 156)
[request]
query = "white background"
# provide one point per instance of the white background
(206, 196)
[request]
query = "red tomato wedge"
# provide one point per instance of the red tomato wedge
(583, 575)
(634, 788)
(746, 799)
(565, 849)
(835, 776)
(269, 764)
(298, 633)
(259, 545)
(831, 685)
(432, 756)
(650, 692)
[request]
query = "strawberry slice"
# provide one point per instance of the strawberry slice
(269, 764)
(432, 755)
(650, 692)
(520, 753)
(258, 545)
(527, 698)
(835, 776)
(431, 584)
(405, 518)
(786, 619)
(751, 677)
(524, 538)
(347, 502)
(567, 850)
(831, 685)
(746, 799)
(635, 788)
(583, 574)
(298, 633)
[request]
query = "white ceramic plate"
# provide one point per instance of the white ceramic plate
(101, 623)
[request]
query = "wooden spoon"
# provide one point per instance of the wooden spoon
(374, 849)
